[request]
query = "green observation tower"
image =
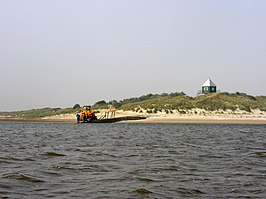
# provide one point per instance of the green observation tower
(208, 87)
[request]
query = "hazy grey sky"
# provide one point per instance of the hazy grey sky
(58, 53)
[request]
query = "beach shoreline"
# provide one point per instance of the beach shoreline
(151, 121)
(36, 120)
(156, 118)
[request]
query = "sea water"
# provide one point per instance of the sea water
(68, 160)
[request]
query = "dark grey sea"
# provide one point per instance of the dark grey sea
(68, 160)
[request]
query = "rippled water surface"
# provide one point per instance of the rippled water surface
(65, 160)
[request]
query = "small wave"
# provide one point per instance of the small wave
(53, 154)
(171, 168)
(21, 176)
(10, 159)
(143, 191)
(50, 172)
(89, 168)
(64, 167)
(4, 186)
(189, 192)
(146, 180)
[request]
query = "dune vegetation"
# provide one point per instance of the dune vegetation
(210, 102)
(37, 113)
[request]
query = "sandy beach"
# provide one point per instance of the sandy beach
(191, 116)
(209, 117)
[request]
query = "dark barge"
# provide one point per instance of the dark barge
(117, 119)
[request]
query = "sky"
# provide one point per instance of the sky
(57, 53)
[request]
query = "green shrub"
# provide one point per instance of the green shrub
(76, 106)
(149, 111)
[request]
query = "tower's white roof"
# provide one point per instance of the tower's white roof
(209, 82)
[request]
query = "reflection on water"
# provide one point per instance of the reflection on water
(63, 160)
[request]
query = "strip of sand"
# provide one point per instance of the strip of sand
(35, 120)
(154, 120)
(193, 117)
(199, 116)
